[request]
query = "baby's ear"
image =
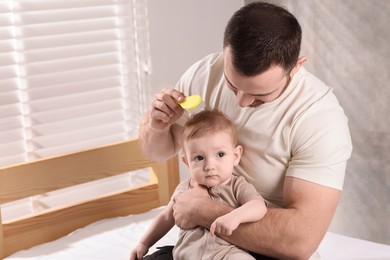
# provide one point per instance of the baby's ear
(184, 159)
(237, 154)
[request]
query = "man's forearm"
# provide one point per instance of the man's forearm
(157, 145)
(293, 232)
(275, 235)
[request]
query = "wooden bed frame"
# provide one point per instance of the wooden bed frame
(46, 175)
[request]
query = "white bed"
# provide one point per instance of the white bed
(107, 227)
(113, 239)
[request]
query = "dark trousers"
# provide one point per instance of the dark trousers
(165, 253)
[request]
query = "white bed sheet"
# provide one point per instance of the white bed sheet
(114, 238)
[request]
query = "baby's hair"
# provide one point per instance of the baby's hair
(208, 122)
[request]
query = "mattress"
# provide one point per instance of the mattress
(115, 237)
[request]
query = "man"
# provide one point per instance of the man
(293, 131)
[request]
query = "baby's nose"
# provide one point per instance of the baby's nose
(209, 166)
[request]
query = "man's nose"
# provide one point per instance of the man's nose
(244, 100)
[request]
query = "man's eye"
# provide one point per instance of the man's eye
(221, 154)
(199, 158)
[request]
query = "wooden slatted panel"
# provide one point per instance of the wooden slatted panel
(29, 179)
(168, 178)
(1, 239)
(42, 176)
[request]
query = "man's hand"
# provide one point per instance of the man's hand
(159, 136)
(165, 110)
(187, 204)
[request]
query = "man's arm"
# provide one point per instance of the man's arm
(158, 145)
(293, 232)
(158, 133)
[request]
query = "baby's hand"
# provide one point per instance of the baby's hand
(138, 252)
(224, 225)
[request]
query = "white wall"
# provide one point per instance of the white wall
(181, 33)
(347, 43)
(184, 31)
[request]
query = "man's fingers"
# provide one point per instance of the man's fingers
(212, 229)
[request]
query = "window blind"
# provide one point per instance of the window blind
(73, 75)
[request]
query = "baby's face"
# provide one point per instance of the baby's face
(211, 158)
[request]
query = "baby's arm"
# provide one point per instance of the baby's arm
(160, 226)
(251, 211)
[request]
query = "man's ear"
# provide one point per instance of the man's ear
(237, 154)
(298, 65)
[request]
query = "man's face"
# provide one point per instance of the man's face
(257, 90)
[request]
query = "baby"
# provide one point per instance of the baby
(211, 152)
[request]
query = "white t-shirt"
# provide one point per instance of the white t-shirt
(303, 133)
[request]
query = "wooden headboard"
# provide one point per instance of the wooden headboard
(42, 176)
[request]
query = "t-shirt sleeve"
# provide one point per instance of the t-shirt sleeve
(321, 147)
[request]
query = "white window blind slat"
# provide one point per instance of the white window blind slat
(8, 97)
(4, 8)
(10, 149)
(9, 123)
(48, 5)
(76, 99)
(73, 74)
(79, 135)
(76, 146)
(6, 59)
(78, 122)
(7, 44)
(62, 52)
(77, 111)
(70, 27)
(77, 87)
(72, 64)
(9, 71)
(13, 159)
(71, 39)
(8, 85)
(11, 136)
(11, 117)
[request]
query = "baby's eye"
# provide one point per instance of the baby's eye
(221, 154)
(199, 158)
